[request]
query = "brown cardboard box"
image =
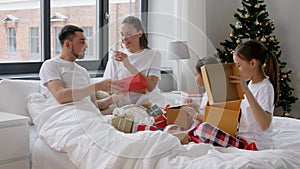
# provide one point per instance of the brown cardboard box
(182, 136)
(122, 124)
(175, 115)
(217, 83)
(225, 116)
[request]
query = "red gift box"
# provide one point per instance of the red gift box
(132, 83)
(142, 127)
(160, 121)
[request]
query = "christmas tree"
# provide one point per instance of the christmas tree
(253, 23)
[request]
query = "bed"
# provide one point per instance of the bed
(83, 142)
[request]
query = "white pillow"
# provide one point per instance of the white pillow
(13, 94)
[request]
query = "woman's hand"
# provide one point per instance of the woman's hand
(122, 57)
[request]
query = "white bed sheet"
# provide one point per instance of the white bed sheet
(92, 143)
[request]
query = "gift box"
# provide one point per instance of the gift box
(123, 124)
(136, 83)
(160, 121)
(143, 127)
(122, 120)
(154, 111)
(179, 117)
(182, 136)
(225, 116)
(217, 83)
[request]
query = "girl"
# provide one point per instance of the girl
(200, 109)
(258, 66)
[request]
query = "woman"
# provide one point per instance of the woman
(134, 57)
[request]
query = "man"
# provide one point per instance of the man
(65, 80)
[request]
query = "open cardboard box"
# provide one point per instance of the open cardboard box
(225, 116)
(217, 83)
(224, 97)
(175, 115)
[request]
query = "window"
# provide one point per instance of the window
(57, 46)
(12, 44)
(25, 52)
(34, 41)
(88, 32)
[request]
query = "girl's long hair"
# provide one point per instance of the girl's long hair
(254, 49)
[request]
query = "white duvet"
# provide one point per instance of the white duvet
(91, 143)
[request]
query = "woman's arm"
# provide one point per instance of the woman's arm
(151, 80)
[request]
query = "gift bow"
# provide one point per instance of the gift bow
(121, 113)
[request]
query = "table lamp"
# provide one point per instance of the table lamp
(178, 50)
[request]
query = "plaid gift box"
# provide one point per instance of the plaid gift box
(154, 111)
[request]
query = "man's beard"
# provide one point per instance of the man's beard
(80, 55)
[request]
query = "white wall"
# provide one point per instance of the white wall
(286, 19)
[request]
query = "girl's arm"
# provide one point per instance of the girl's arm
(262, 117)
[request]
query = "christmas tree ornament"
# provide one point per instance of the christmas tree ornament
(284, 76)
(286, 114)
(263, 39)
(271, 38)
(247, 15)
(238, 40)
(256, 6)
(231, 34)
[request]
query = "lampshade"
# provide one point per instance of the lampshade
(178, 50)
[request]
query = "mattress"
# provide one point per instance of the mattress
(43, 157)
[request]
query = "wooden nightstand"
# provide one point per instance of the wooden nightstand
(14, 141)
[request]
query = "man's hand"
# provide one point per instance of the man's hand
(105, 85)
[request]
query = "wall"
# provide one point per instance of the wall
(219, 14)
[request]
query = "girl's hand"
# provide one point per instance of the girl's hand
(241, 81)
(192, 103)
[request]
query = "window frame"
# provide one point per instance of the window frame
(45, 41)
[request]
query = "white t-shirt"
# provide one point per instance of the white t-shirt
(147, 62)
(249, 129)
(72, 74)
(203, 104)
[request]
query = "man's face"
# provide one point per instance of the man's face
(79, 45)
